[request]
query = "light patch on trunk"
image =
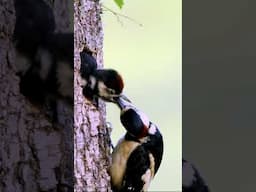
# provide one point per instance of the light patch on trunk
(22, 62)
(120, 156)
(65, 79)
(45, 59)
(83, 82)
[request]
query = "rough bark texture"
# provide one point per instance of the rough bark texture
(91, 137)
(33, 156)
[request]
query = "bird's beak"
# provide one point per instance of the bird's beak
(125, 98)
(122, 101)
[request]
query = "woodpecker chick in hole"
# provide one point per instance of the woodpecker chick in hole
(138, 155)
(106, 84)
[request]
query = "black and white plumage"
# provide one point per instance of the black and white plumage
(88, 64)
(106, 84)
(138, 155)
(49, 73)
(44, 59)
(191, 179)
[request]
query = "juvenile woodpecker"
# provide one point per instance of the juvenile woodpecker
(48, 73)
(138, 155)
(44, 59)
(104, 83)
(191, 179)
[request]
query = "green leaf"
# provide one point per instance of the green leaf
(120, 3)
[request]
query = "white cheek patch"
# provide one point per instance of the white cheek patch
(45, 60)
(92, 82)
(65, 79)
(105, 92)
(187, 174)
(22, 62)
(102, 89)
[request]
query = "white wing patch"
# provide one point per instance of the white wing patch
(148, 176)
(92, 82)
(45, 59)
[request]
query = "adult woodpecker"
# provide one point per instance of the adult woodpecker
(138, 155)
(191, 179)
(104, 83)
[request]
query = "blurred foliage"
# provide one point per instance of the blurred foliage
(119, 3)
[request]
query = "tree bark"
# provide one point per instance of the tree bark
(33, 156)
(91, 136)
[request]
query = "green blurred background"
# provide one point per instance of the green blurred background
(149, 59)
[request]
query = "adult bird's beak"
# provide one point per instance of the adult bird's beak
(122, 101)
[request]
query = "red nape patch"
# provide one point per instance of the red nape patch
(120, 82)
(144, 132)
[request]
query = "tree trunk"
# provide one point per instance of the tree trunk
(33, 156)
(91, 136)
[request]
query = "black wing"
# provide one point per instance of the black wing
(137, 164)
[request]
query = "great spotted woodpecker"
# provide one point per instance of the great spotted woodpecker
(49, 72)
(44, 59)
(138, 155)
(104, 83)
(191, 179)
